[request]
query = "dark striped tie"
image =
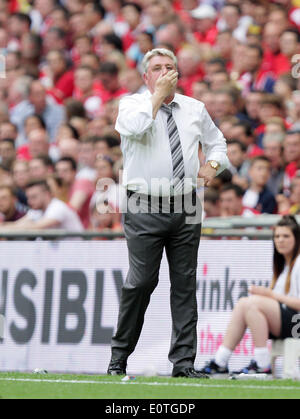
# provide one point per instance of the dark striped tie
(176, 149)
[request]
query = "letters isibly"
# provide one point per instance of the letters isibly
(68, 305)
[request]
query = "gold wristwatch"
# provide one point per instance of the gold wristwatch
(214, 164)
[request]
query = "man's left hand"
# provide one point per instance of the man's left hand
(207, 173)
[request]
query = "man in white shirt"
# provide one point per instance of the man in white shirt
(46, 212)
(160, 148)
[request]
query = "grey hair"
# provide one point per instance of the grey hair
(163, 52)
(277, 137)
(22, 86)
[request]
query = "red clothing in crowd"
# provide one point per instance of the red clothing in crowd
(289, 173)
(13, 6)
(101, 92)
(88, 187)
(209, 37)
(63, 87)
(290, 170)
(277, 63)
(107, 95)
(186, 83)
(23, 153)
(253, 151)
(128, 39)
(269, 60)
(282, 64)
(249, 212)
(260, 130)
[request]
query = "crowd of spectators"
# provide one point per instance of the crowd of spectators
(67, 63)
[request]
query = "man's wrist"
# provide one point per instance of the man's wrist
(158, 96)
(214, 164)
(157, 100)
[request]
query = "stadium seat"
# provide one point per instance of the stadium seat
(289, 348)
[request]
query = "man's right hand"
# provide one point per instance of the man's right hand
(165, 85)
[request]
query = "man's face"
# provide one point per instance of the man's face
(231, 16)
(223, 105)
(260, 172)
(252, 59)
(288, 43)
(292, 147)
(20, 174)
(37, 169)
(157, 66)
(44, 6)
(296, 104)
(211, 209)
(8, 131)
(267, 111)
(7, 201)
(218, 80)
(7, 151)
(14, 27)
(109, 81)
(295, 191)
(238, 132)
(271, 36)
(104, 168)
(273, 151)
(253, 102)
(187, 63)
(65, 171)
(144, 42)
(83, 79)
(38, 143)
(102, 148)
(36, 197)
(235, 154)
(55, 62)
(86, 154)
(199, 89)
(38, 96)
(59, 20)
(230, 203)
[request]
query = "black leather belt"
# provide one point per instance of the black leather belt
(168, 202)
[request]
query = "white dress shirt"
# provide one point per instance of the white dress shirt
(146, 148)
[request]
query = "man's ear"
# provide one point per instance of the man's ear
(145, 78)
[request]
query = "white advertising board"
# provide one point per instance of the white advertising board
(60, 303)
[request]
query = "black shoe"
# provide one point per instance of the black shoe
(212, 368)
(189, 372)
(117, 367)
(253, 368)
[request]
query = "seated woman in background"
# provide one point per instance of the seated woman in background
(267, 312)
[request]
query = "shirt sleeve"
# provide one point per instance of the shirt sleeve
(54, 212)
(135, 116)
(34, 215)
(84, 185)
(213, 142)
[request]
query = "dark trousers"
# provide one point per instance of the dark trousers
(147, 235)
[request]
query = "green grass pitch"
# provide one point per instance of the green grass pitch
(68, 386)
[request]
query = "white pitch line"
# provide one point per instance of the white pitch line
(155, 383)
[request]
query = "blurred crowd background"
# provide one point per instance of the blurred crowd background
(67, 63)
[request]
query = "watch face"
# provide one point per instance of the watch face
(214, 164)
